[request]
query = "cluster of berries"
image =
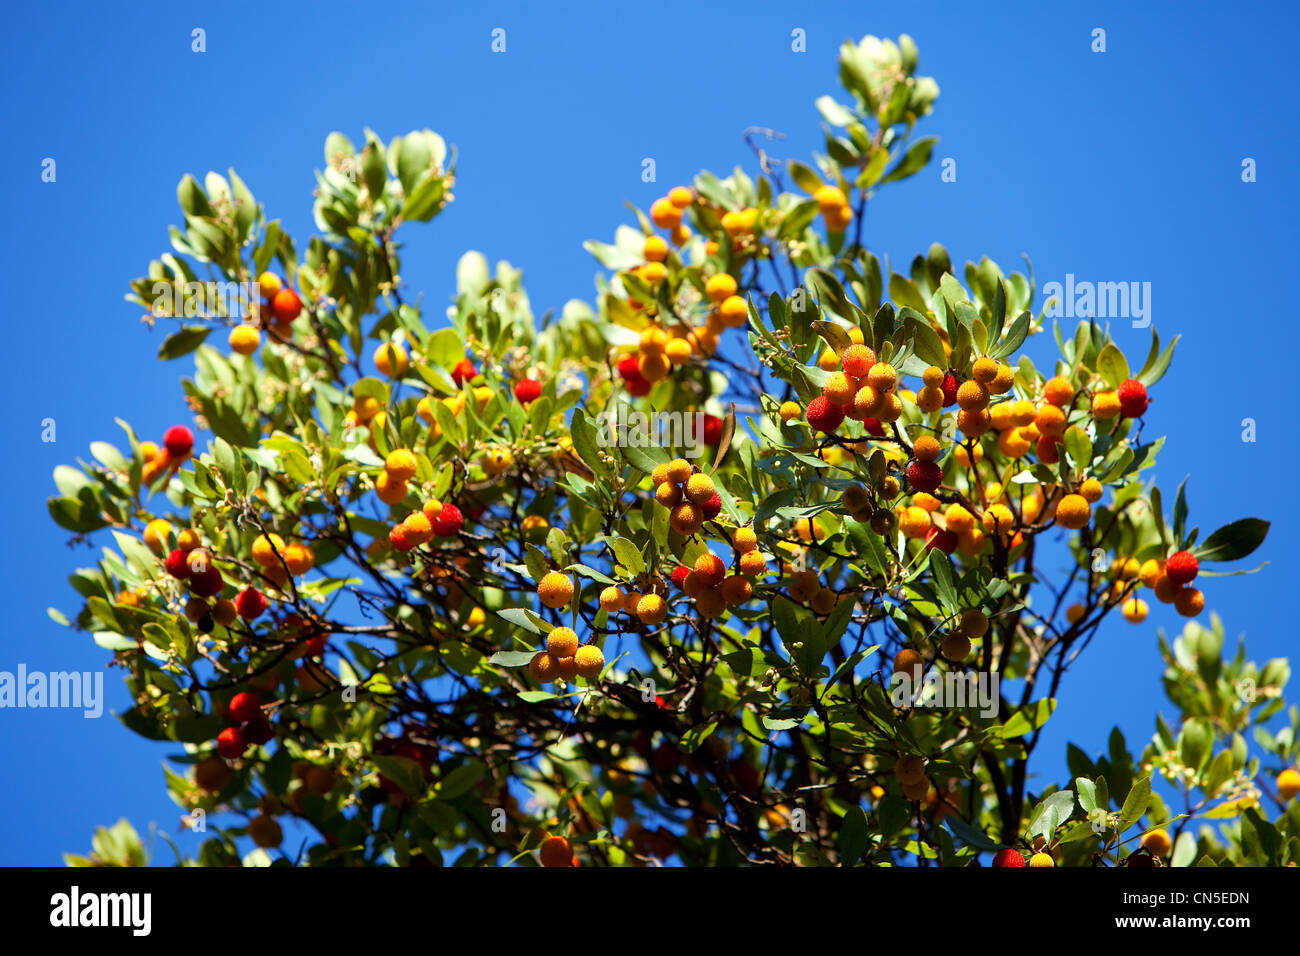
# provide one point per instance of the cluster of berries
(279, 307)
(566, 658)
(689, 495)
(177, 446)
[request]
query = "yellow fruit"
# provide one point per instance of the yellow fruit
(733, 312)
(1058, 391)
(1050, 420)
(1091, 491)
(830, 198)
(400, 465)
(155, 534)
(680, 196)
(927, 448)
(972, 396)
(1073, 512)
(971, 542)
(839, 388)
(909, 769)
(973, 423)
(753, 564)
(1149, 572)
(679, 470)
(555, 590)
(390, 492)
(790, 411)
(664, 214)
(998, 519)
(1135, 610)
(651, 610)
(930, 399)
(686, 519)
(611, 599)
(1158, 842)
(300, 558)
(914, 522)
(984, 370)
(589, 661)
(1039, 860)
(910, 662)
(244, 339)
(678, 351)
(265, 548)
(1288, 784)
(882, 377)
(562, 642)
(699, 489)
(656, 249)
(391, 360)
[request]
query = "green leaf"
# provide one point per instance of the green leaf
(1112, 365)
(1135, 804)
(1233, 541)
(1029, 718)
(628, 555)
(917, 156)
(183, 342)
(854, 836)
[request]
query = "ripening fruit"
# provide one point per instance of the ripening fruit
(1158, 843)
(244, 339)
(265, 831)
(562, 642)
(543, 668)
(589, 661)
(1189, 602)
(651, 609)
(207, 584)
(824, 416)
(1073, 512)
(790, 411)
(1182, 567)
(909, 769)
(556, 850)
(753, 564)
(733, 311)
(744, 540)
(555, 590)
(285, 306)
(1091, 491)
(668, 494)
(999, 519)
(611, 600)
(927, 448)
(155, 534)
(858, 360)
(699, 489)
(882, 377)
(679, 471)
(389, 489)
(417, 528)
(929, 399)
(839, 388)
(1135, 610)
(681, 196)
(973, 623)
(655, 249)
(914, 522)
(955, 647)
(400, 465)
(1003, 380)
(179, 442)
(1149, 571)
(1050, 420)
(1075, 612)
(1105, 405)
(686, 519)
(249, 603)
(1039, 860)
(1288, 784)
(211, 774)
(984, 371)
(1009, 857)
(664, 214)
(736, 590)
(958, 520)
(911, 662)
(972, 396)
(177, 564)
(1058, 391)
(527, 391)
(1132, 398)
(867, 403)
(391, 360)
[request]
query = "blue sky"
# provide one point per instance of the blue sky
(1123, 165)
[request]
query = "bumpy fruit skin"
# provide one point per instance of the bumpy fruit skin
(207, 584)
(1058, 391)
(464, 371)
(1288, 784)
(1132, 398)
(924, 476)
(1158, 843)
(955, 647)
(177, 564)
(911, 662)
(679, 471)
(710, 569)
(562, 642)
(719, 287)
(926, 448)
(753, 564)
(448, 521)
(389, 490)
(250, 603)
(1091, 491)
(1182, 567)
(555, 851)
(857, 360)
(699, 489)
(543, 668)
(400, 465)
(823, 415)
(231, 743)
(589, 661)
(179, 442)
(686, 519)
(651, 609)
(555, 590)
(1041, 860)
(245, 707)
(1073, 512)
(712, 430)
(1009, 857)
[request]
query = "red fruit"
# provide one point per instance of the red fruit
(924, 476)
(207, 584)
(637, 387)
(1009, 857)
(661, 703)
(712, 430)
(949, 386)
(258, 731)
(316, 645)
(711, 569)
(286, 305)
(448, 522)
(679, 575)
(1132, 398)
(231, 743)
(179, 442)
(711, 507)
(245, 707)
(823, 415)
(874, 427)
(528, 390)
(1140, 858)
(1182, 567)
(250, 603)
(945, 541)
(176, 565)
(629, 367)
(463, 372)
(398, 539)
